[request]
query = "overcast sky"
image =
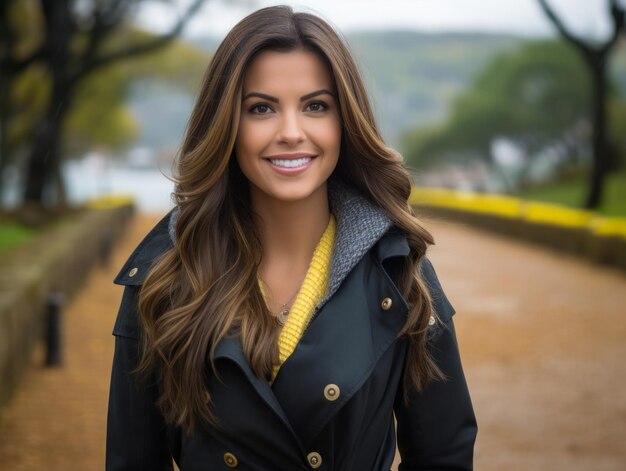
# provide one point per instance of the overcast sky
(586, 17)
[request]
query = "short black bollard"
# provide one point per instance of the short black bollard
(106, 245)
(53, 329)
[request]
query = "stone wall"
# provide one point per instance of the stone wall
(56, 261)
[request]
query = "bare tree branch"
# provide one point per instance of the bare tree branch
(579, 44)
(617, 17)
(138, 49)
(18, 65)
(105, 18)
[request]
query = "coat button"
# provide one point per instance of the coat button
(331, 392)
(230, 460)
(386, 304)
(133, 272)
(315, 459)
(431, 321)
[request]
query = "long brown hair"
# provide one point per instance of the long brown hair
(205, 287)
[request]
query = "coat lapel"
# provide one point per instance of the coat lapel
(230, 348)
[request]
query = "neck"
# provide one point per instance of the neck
(289, 231)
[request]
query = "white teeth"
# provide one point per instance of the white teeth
(291, 163)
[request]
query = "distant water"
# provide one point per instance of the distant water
(151, 190)
(90, 178)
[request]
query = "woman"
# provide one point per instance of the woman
(281, 314)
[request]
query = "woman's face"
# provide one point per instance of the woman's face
(289, 131)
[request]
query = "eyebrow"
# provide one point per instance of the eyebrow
(276, 100)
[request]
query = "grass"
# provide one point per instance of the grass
(13, 234)
(572, 193)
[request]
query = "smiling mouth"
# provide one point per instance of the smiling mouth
(291, 163)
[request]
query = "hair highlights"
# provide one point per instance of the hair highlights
(205, 288)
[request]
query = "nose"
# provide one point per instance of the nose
(291, 130)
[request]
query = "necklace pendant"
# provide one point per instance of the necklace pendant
(282, 315)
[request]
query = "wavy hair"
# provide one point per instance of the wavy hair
(205, 287)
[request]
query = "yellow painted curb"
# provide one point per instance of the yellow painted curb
(110, 201)
(608, 227)
(517, 208)
(557, 215)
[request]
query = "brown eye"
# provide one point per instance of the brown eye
(318, 106)
(261, 108)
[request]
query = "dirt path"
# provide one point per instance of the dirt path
(542, 335)
(543, 339)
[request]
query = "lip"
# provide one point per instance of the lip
(290, 171)
(298, 155)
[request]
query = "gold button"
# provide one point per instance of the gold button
(431, 321)
(386, 304)
(331, 392)
(230, 460)
(133, 272)
(315, 460)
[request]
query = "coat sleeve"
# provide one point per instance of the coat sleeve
(437, 429)
(136, 437)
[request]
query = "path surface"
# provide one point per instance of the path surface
(543, 340)
(542, 336)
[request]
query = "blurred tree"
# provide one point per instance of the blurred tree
(74, 39)
(17, 33)
(617, 117)
(101, 116)
(596, 57)
(532, 97)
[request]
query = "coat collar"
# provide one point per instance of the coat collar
(157, 241)
(360, 225)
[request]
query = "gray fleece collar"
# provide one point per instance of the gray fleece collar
(360, 224)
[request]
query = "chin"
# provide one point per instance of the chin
(292, 196)
(295, 192)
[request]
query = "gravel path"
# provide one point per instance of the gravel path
(542, 336)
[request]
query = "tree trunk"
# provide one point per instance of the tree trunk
(601, 159)
(6, 74)
(4, 117)
(44, 157)
(596, 57)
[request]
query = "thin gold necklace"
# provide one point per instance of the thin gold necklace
(283, 312)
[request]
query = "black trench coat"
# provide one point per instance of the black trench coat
(332, 405)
